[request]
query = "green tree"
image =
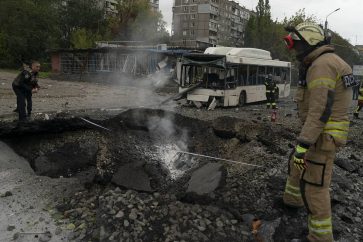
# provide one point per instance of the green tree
(28, 28)
(82, 39)
(148, 26)
(251, 32)
(136, 20)
(259, 27)
(299, 17)
(77, 16)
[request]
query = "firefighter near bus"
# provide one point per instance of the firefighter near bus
(271, 91)
(360, 102)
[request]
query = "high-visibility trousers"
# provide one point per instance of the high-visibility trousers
(310, 187)
(270, 97)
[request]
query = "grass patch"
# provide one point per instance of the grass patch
(10, 70)
(45, 74)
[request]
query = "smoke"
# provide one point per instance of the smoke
(176, 162)
(167, 139)
(163, 130)
(174, 139)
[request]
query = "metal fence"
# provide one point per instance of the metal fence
(93, 62)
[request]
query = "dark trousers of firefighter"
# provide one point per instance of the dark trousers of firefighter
(23, 101)
(358, 108)
(311, 188)
(270, 99)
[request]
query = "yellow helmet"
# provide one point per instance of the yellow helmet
(312, 33)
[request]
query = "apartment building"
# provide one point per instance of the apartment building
(359, 49)
(154, 5)
(110, 6)
(202, 23)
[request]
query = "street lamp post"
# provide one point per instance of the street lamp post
(326, 19)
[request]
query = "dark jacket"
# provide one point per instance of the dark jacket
(26, 80)
(270, 85)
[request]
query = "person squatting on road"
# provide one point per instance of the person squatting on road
(271, 90)
(324, 96)
(360, 102)
(24, 85)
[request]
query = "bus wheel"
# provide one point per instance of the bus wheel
(242, 99)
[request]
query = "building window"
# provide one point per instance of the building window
(192, 16)
(192, 24)
(185, 9)
(213, 25)
(184, 33)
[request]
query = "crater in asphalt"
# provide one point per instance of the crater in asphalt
(146, 149)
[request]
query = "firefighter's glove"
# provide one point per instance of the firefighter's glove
(299, 157)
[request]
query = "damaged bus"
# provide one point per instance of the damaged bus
(231, 76)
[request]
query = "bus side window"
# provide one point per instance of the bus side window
(284, 75)
(270, 70)
(261, 75)
(277, 75)
(253, 75)
(243, 75)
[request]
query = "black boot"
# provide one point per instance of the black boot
(287, 209)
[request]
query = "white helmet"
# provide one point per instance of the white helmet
(308, 32)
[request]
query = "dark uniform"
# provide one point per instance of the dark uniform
(271, 90)
(23, 85)
(360, 102)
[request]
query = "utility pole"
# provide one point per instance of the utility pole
(326, 20)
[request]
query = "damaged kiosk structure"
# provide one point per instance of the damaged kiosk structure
(231, 76)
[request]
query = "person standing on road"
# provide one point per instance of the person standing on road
(24, 85)
(271, 89)
(355, 92)
(323, 97)
(360, 102)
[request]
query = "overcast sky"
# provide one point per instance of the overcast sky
(348, 21)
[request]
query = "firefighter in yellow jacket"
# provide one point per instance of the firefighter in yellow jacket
(324, 96)
(360, 102)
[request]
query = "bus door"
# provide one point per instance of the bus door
(231, 78)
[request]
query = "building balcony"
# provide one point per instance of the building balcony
(213, 29)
